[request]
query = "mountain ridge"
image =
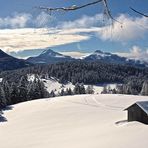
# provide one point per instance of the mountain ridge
(49, 56)
(8, 62)
(100, 56)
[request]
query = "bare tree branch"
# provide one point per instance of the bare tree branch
(139, 12)
(74, 7)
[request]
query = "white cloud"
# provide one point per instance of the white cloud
(136, 53)
(83, 22)
(15, 21)
(43, 19)
(14, 39)
(130, 29)
(22, 20)
(75, 54)
(30, 38)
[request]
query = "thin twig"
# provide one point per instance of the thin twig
(138, 12)
(108, 12)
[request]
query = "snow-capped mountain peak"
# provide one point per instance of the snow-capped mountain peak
(99, 53)
(49, 56)
(107, 57)
(51, 53)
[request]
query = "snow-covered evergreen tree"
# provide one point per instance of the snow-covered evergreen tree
(22, 88)
(79, 89)
(144, 90)
(104, 91)
(62, 93)
(5, 93)
(69, 91)
(14, 93)
(3, 101)
(89, 89)
(52, 94)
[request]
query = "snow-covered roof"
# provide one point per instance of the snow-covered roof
(142, 104)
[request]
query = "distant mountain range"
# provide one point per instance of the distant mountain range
(8, 62)
(49, 56)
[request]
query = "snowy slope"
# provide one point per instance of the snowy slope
(87, 121)
(52, 84)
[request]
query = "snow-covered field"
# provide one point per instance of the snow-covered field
(87, 121)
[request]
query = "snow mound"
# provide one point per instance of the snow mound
(86, 121)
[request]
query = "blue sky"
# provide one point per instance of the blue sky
(26, 31)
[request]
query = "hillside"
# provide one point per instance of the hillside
(87, 121)
(51, 84)
(8, 62)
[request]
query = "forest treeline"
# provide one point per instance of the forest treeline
(15, 86)
(82, 72)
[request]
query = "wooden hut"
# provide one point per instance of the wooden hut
(138, 112)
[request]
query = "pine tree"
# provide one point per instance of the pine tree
(69, 91)
(79, 89)
(14, 94)
(6, 92)
(119, 89)
(62, 93)
(3, 101)
(89, 89)
(104, 91)
(82, 89)
(30, 90)
(52, 94)
(144, 90)
(22, 89)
